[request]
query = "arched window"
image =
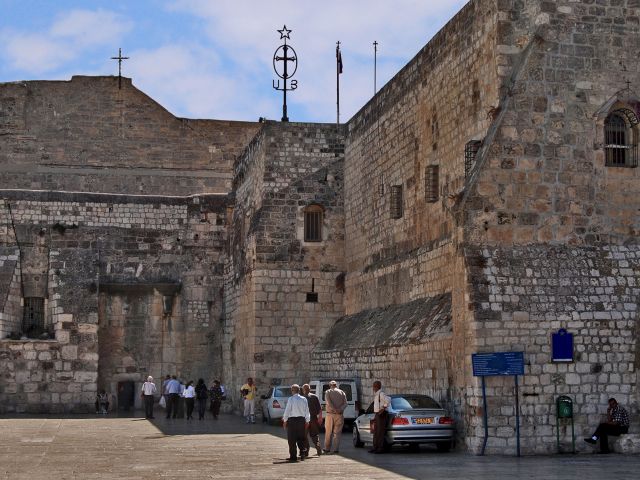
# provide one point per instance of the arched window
(620, 139)
(313, 217)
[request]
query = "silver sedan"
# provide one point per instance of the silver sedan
(413, 419)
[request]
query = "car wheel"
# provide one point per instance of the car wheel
(357, 442)
(443, 446)
(386, 446)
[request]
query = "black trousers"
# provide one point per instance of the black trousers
(604, 430)
(295, 436)
(172, 404)
(380, 422)
(215, 407)
(202, 407)
(190, 403)
(106, 406)
(314, 432)
(148, 406)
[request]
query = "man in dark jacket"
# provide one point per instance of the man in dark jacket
(315, 410)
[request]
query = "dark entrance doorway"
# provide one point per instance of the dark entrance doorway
(126, 396)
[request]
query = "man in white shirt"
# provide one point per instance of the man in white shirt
(296, 421)
(381, 402)
(148, 391)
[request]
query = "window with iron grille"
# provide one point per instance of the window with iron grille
(620, 140)
(470, 152)
(396, 201)
(431, 183)
(313, 223)
(33, 316)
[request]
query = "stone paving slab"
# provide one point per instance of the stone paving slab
(86, 447)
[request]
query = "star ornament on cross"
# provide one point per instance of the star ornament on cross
(284, 33)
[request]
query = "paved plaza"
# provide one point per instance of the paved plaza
(88, 447)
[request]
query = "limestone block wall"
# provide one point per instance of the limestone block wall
(523, 294)
(88, 135)
(134, 288)
(268, 321)
(543, 177)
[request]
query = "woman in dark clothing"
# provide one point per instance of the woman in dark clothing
(217, 395)
(201, 398)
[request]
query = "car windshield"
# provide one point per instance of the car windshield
(282, 392)
(409, 402)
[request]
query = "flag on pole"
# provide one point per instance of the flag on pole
(339, 59)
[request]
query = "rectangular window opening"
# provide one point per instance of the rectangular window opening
(33, 317)
(471, 150)
(312, 297)
(431, 183)
(313, 226)
(396, 201)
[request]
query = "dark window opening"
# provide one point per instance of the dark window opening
(33, 317)
(470, 153)
(396, 201)
(312, 297)
(620, 142)
(431, 183)
(313, 224)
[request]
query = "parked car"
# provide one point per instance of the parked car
(413, 419)
(274, 403)
(348, 386)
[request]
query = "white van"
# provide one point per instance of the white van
(348, 386)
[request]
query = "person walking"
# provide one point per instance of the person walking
(148, 391)
(336, 402)
(189, 395)
(249, 391)
(201, 398)
(315, 410)
(381, 402)
(296, 421)
(617, 424)
(216, 393)
(172, 391)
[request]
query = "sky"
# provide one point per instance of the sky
(214, 58)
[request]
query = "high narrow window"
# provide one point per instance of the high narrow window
(396, 201)
(620, 139)
(313, 223)
(33, 316)
(431, 183)
(470, 152)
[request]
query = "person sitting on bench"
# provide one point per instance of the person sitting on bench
(617, 424)
(102, 402)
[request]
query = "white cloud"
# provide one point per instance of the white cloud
(99, 27)
(246, 31)
(34, 53)
(70, 35)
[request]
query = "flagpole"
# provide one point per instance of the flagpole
(338, 83)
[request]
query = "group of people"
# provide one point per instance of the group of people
(173, 391)
(302, 419)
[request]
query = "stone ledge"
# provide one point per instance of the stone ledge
(628, 443)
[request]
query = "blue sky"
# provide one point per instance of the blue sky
(213, 58)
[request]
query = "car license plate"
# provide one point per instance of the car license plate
(423, 421)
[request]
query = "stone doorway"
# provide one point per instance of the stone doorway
(126, 396)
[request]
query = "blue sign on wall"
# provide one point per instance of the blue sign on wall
(562, 346)
(497, 363)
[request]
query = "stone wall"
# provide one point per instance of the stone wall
(148, 271)
(270, 326)
(88, 135)
(523, 294)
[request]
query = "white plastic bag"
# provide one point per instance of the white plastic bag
(162, 402)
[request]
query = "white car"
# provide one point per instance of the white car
(274, 403)
(348, 386)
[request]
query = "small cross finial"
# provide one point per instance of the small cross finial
(120, 58)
